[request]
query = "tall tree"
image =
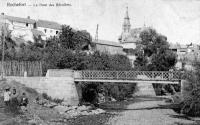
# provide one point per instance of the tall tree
(74, 39)
(154, 53)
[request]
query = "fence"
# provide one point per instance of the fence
(128, 75)
(17, 68)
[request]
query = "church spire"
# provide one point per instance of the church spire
(126, 25)
(127, 16)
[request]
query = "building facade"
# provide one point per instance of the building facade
(17, 22)
(20, 28)
(26, 29)
(109, 47)
(49, 28)
(186, 55)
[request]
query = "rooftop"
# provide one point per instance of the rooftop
(49, 24)
(18, 19)
(106, 42)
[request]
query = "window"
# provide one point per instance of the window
(56, 32)
(45, 30)
(26, 24)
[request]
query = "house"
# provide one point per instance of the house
(27, 28)
(186, 54)
(21, 29)
(106, 46)
(49, 28)
(17, 22)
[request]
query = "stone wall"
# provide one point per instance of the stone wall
(56, 87)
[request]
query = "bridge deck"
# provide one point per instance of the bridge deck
(128, 76)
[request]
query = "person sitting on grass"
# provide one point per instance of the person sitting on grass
(24, 101)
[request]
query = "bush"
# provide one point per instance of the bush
(56, 100)
(168, 88)
(191, 102)
(118, 91)
(13, 107)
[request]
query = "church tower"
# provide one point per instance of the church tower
(126, 25)
(126, 28)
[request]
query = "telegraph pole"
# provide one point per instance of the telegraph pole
(96, 35)
(2, 58)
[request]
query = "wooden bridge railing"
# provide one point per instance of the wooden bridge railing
(127, 75)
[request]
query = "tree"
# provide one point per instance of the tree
(72, 39)
(154, 53)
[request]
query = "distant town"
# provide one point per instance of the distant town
(27, 28)
(52, 73)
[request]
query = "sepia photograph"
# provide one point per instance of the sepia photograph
(99, 62)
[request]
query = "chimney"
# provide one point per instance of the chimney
(2, 13)
(28, 17)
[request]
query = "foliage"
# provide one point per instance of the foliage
(89, 93)
(114, 90)
(141, 62)
(13, 107)
(72, 39)
(102, 61)
(120, 91)
(56, 100)
(153, 52)
(67, 52)
(191, 102)
(161, 89)
(192, 77)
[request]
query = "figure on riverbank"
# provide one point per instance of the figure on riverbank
(7, 95)
(24, 100)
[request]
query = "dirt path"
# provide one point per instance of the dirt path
(148, 113)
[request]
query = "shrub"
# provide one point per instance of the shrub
(117, 91)
(168, 88)
(56, 100)
(120, 91)
(13, 107)
(191, 103)
(89, 92)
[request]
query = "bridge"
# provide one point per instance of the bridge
(163, 77)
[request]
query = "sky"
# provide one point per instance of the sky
(179, 20)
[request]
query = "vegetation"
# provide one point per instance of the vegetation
(110, 90)
(49, 98)
(153, 52)
(69, 51)
(191, 103)
(75, 40)
(66, 51)
(13, 108)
